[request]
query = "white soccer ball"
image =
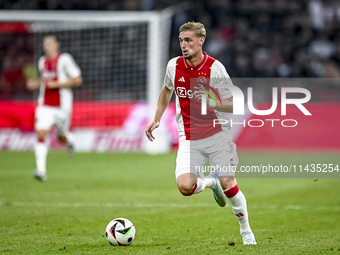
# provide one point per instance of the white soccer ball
(120, 232)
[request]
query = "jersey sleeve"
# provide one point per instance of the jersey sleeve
(220, 80)
(70, 66)
(170, 74)
(41, 63)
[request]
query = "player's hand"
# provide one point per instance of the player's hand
(198, 94)
(151, 128)
(53, 84)
(32, 84)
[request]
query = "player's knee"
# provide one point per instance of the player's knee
(185, 191)
(186, 188)
(186, 183)
(41, 135)
(228, 182)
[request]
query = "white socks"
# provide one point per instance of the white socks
(237, 200)
(204, 183)
(239, 205)
(40, 156)
(209, 182)
(69, 138)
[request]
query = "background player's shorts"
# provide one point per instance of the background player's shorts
(46, 117)
(192, 156)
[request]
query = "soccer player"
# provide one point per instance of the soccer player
(58, 74)
(200, 137)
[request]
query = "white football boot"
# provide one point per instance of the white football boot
(219, 196)
(248, 238)
(70, 149)
(39, 176)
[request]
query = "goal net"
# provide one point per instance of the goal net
(122, 56)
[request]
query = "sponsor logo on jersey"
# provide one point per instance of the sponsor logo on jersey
(49, 75)
(183, 92)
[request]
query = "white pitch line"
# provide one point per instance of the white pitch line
(162, 205)
(110, 205)
(293, 207)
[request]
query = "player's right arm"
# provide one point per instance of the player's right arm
(163, 102)
(32, 84)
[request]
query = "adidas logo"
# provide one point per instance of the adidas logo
(182, 79)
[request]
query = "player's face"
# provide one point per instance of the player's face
(51, 46)
(190, 44)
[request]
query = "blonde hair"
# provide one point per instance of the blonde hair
(52, 36)
(197, 27)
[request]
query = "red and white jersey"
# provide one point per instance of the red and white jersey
(185, 79)
(60, 68)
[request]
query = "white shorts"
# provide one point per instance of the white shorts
(46, 117)
(192, 156)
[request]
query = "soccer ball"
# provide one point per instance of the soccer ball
(120, 232)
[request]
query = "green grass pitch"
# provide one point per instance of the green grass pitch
(69, 212)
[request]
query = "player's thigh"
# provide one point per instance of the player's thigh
(225, 158)
(189, 160)
(62, 122)
(44, 118)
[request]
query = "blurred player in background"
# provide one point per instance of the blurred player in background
(58, 74)
(199, 139)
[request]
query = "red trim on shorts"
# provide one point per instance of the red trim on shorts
(231, 192)
(193, 190)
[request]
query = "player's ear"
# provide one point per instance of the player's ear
(201, 41)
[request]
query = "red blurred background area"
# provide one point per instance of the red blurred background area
(316, 132)
(95, 114)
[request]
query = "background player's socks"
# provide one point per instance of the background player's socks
(70, 138)
(239, 205)
(40, 157)
(70, 144)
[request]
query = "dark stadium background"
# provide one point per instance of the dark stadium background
(253, 39)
